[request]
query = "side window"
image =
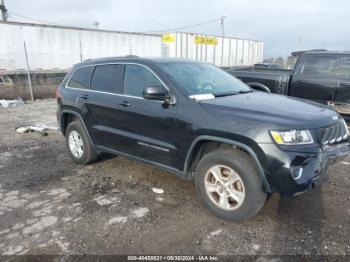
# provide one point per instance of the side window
(107, 78)
(344, 68)
(136, 78)
(81, 78)
(317, 66)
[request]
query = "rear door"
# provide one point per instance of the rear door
(314, 78)
(101, 102)
(145, 128)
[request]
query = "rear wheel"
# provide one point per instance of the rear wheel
(79, 145)
(229, 185)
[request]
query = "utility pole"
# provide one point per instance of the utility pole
(222, 23)
(96, 24)
(3, 10)
(300, 43)
(81, 51)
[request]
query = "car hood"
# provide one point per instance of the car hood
(278, 110)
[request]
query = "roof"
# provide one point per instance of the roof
(132, 58)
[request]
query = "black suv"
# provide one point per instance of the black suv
(199, 122)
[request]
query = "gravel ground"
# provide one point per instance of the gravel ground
(50, 205)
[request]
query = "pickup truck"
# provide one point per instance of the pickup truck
(321, 76)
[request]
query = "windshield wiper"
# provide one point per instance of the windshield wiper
(232, 93)
(245, 91)
(225, 94)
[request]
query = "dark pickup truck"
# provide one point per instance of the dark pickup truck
(321, 76)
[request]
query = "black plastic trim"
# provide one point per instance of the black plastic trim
(160, 166)
(81, 120)
(234, 143)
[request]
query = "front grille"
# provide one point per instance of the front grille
(335, 134)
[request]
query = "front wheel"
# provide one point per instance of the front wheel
(229, 185)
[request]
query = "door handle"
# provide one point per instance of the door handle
(124, 104)
(301, 81)
(345, 84)
(84, 97)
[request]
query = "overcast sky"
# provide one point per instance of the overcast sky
(279, 23)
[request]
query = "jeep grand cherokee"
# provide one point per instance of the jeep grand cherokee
(199, 122)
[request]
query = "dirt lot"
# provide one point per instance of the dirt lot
(49, 205)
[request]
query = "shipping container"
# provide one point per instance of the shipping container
(221, 51)
(51, 47)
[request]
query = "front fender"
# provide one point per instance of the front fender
(245, 147)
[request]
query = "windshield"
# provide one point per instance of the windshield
(200, 78)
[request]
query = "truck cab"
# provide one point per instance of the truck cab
(320, 76)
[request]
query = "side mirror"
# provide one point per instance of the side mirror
(158, 93)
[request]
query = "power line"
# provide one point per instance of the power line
(185, 27)
(156, 31)
(34, 19)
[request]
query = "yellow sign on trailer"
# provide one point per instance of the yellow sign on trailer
(204, 40)
(168, 38)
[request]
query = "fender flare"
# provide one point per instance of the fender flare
(233, 143)
(259, 86)
(73, 112)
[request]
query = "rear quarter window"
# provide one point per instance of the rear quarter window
(81, 78)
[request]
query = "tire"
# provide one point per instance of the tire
(244, 197)
(86, 153)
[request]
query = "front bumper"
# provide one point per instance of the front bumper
(291, 173)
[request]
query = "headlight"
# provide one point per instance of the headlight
(292, 137)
